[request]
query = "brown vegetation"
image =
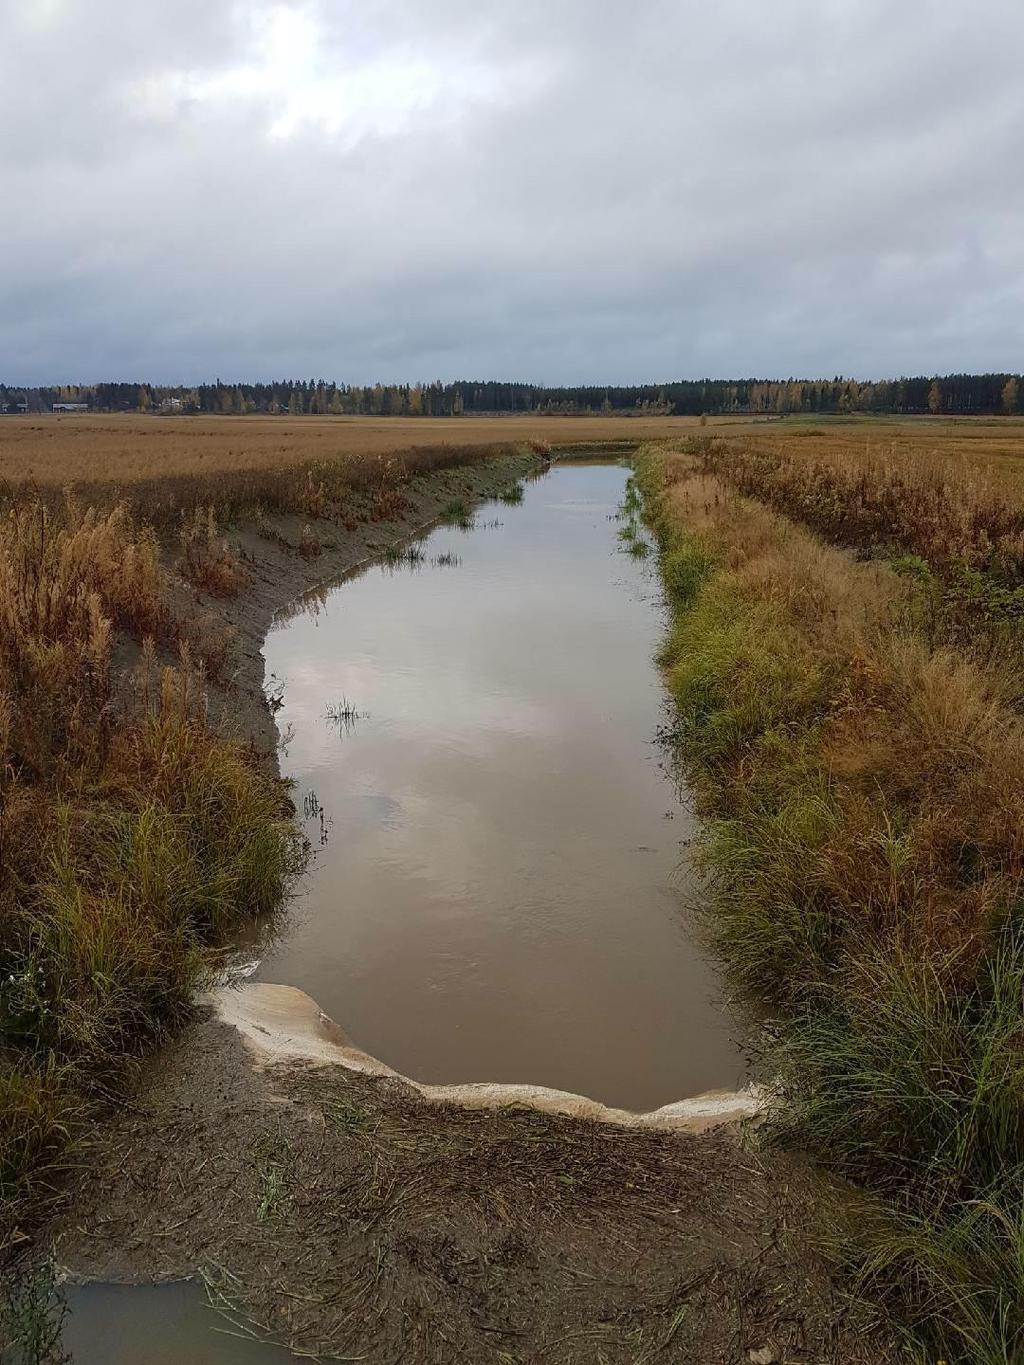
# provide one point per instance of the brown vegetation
(955, 513)
(859, 756)
(162, 464)
(207, 560)
(119, 450)
(992, 446)
(161, 483)
(133, 838)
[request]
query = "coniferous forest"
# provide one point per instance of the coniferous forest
(958, 395)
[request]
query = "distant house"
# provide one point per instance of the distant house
(71, 407)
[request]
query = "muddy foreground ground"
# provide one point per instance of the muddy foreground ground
(348, 1217)
(351, 1219)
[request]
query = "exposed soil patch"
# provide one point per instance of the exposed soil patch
(349, 1218)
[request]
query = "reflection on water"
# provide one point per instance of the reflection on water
(496, 890)
(167, 1324)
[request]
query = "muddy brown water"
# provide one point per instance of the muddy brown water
(499, 894)
(500, 871)
(166, 1324)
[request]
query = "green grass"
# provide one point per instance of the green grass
(397, 556)
(32, 1314)
(631, 533)
(118, 886)
(456, 513)
(274, 1163)
(914, 1089)
(345, 1114)
(893, 1033)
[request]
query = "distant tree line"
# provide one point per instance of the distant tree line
(951, 395)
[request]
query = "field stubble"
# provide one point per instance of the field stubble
(162, 464)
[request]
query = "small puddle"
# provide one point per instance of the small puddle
(164, 1324)
(500, 858)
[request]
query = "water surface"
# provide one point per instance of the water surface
(500, 893)
(165, 1324)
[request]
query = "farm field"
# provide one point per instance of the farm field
(123, 449)
(991, 447)
(130, 448)
(163, 838)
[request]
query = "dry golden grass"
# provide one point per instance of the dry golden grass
(131, 836)
(162, 463)
(125, 449)
(163, 469)
(948, 508)
(987, 446)
(860, 768)
(235, 484)
(207, 560)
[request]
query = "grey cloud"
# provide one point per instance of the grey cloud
(580, 191)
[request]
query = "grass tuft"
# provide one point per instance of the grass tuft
(207, 560)
(32, 1313)
(456, 513)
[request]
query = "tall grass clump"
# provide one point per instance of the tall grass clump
(860, 779)
(132, 838)
(910, 1082)
(207, 560)
(456, 513)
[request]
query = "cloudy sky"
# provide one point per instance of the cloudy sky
(553, 190)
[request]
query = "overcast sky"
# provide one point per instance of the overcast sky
(553, 190)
